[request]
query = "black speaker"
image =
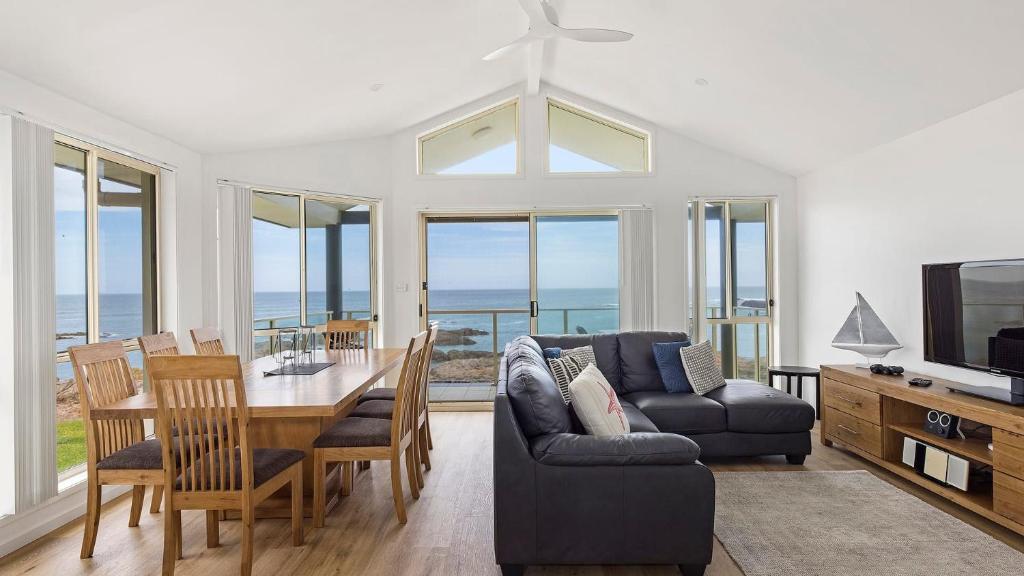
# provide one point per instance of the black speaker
(941, 424)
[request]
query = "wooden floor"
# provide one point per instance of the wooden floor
(449, 530)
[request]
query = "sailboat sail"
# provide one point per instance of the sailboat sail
(864, 332)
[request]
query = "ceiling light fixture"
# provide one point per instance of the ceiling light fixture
(480, 132)
(700, 82)
(376, 87)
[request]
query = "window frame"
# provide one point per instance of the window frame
(604, 120)
(374, 207)
(93, 154)
(422, 137)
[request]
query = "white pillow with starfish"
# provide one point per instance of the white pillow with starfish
(596, 404)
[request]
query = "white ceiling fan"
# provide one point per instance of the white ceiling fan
(544, 26)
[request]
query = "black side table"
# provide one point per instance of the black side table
(800, 372)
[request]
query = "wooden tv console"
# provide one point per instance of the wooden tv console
(870, 414)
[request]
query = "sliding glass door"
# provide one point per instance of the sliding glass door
(730, 279)
(105, 266)
(313, 260)
(489, 278)
(577, 273)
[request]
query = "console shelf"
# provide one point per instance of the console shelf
(871, 415)
(972, 448)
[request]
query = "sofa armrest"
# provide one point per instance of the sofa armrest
(638, 449)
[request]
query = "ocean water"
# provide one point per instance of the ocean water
(577, 310)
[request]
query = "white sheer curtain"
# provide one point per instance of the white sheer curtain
(33, 370)
(241, 258)
(636, 269)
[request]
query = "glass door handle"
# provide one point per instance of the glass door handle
(534, 309)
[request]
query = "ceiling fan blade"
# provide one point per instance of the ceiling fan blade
(509, 48)
(537, 10)
(593, 34)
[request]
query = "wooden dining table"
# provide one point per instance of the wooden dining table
(290, 411)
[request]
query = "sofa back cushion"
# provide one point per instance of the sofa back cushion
(636, 360)
(535, 397)
(606, 351)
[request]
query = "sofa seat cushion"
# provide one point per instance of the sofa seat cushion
(531, 389)
(639, 449)
(680, 413)
(636, 360)
(753, 407)
(606, 351)
(638, 421)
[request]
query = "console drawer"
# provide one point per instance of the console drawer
(1008, 452)
(853, 431)
(1008, 496)
(854, 401)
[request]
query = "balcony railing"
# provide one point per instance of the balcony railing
(459, 344)
(739, 357)
(285, 321)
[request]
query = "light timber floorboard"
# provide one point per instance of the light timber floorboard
(449, 531)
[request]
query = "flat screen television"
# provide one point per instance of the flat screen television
(974, 318)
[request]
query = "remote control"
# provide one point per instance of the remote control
(922, 382)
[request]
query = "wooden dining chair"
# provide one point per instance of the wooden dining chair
(207, 341)
(352, 440)
(117, 450)
(385, 408)
(204, 397)
(347, 334)
(161, 344)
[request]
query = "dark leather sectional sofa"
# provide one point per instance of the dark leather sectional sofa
(562, 497)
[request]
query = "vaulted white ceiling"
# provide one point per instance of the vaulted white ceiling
(794, 84)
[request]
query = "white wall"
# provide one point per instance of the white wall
(386, 168)
(951, 192)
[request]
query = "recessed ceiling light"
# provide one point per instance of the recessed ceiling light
(700, 82)
(376, 87)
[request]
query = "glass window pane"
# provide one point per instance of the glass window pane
(578, 274)
(478, 279)
(482, 144)
(749, 258)
(126, 223)
(714, 260)
(337, 261)
(70, 248)
(275, 263)
(582, 142)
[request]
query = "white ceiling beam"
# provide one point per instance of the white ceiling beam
(533, 66)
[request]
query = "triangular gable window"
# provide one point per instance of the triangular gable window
(486, 143)
(582, 142)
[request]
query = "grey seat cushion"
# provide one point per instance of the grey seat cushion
(636, 360)
(355, 432)
(638, 421)
(374, 409)
(531, 388)
(145, 455)
(378, 394)
(753, 407)
(640, 449)
(606, 351)
(266, 463)
(680, 413)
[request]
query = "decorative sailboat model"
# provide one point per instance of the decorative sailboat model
(865, 333)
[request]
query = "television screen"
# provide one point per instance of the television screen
(974, 315)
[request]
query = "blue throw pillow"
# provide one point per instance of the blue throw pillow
(670, 365)
(552, 352)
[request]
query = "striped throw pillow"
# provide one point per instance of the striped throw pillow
(569, 365)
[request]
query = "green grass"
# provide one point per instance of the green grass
(70, 444)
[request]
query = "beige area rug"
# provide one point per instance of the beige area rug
(846, 523)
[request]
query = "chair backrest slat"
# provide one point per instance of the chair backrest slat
(103, 376)
(403, 417)
(347, 334)
(204, 397)
(207, 341)
(161, 344)
(423, 393)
